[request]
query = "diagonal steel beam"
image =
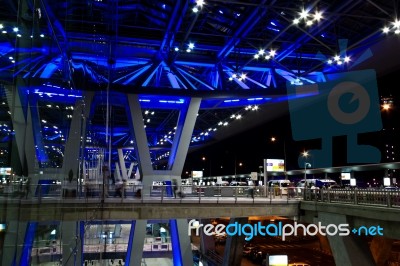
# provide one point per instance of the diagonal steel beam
(174, 23)
(243, 30)
(347, 5)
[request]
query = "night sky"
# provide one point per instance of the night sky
(254, 145)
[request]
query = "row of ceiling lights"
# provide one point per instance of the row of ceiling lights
(225, 122)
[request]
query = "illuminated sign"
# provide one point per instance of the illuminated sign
(345, 176)
(275, 165)
(5, 170)
(197, 174)
(278, 260)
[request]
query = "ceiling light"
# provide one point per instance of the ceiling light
(268, 55)
(339, 60)
(395, 27)
(200, 3)
(318, 16)
(303, 14)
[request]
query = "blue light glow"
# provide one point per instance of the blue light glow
(254, 99)
(273, 29)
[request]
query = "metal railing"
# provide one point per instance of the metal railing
(161, 193)
(356, 196)
(217, 194)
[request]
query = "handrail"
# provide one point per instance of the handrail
(357, 196)
(203, 194)
(155, 193)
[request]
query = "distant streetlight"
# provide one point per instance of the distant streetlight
(209, 162)
(386, 106)
(239, 164)
(305, 154)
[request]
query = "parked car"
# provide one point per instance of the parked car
(238, 183)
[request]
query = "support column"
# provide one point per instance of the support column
(181, 245)
(35, 125)
(135, 120)
(17, 94)
(183, 136)
(72, 242)
(121, 160)
(234, 245)
(136, 239)
(22, 126)
(77, 135)
(13, 242)
(381, 248)
(180, 145)
(346, 250)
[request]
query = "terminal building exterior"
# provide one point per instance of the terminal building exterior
(97, 95)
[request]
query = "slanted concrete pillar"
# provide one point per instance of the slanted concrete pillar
(72, 242)
(346, 250)
(381, 248)
(234, 245)
(136, 241)
(180, 145)
(23, 141)
(76, 135)
(13, 242)
(181, 245)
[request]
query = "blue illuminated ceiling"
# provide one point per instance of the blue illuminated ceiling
(61, 48)
(131, 45)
